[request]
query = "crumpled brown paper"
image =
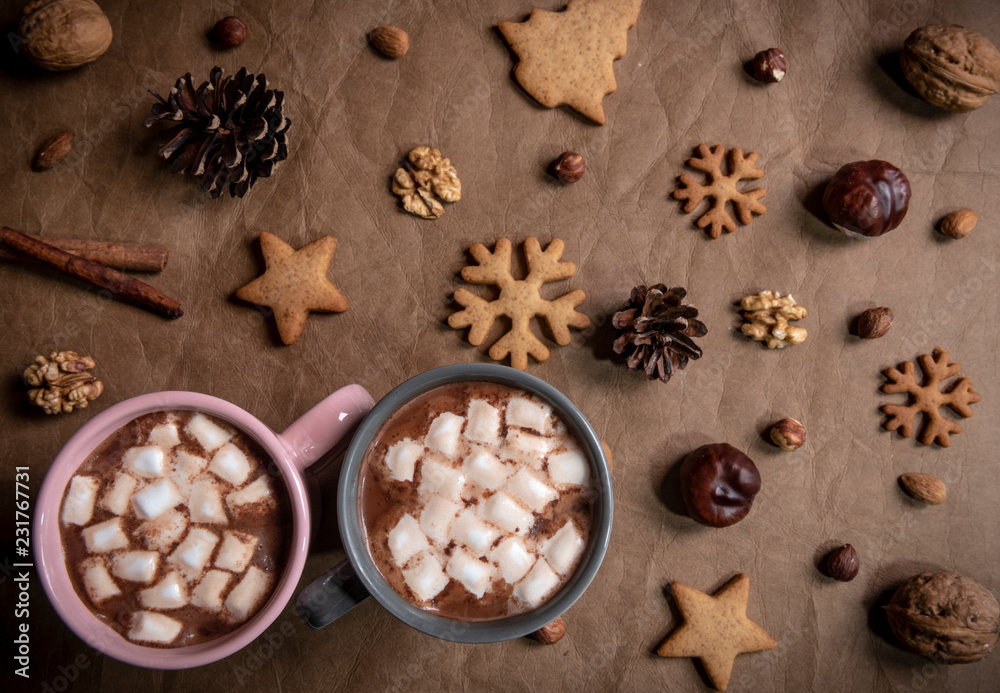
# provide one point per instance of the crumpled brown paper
(681, 83)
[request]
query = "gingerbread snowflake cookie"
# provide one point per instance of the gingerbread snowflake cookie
(520, 301)
(929, 398)
(722, 188)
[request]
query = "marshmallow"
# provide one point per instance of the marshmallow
(247, 595)
(169, 593)
(156, 499)
(165, 435)
(530, 490)
(187, 467)
(105, 536)
(193, 553)
(537, 584)
(425, 577)
(208, 593)
(485, 469)
(484, 423)
(162, 533)
(79, 504)
(149, 626)
(569, 467)
(205, 502)
(257, 492)
(401, 458)
(471, 531)
(436, 518)
(438, 476)
(209, 434)
(230, 463)
(236, 551)
(525, 447)
(443, 433)
(506, 513)
(135, 566)
(474, 574)
(119, 492)
(147, 461)
(97, 581)
(527, 413)
(512, 558)
(406, 539)
(564, 548)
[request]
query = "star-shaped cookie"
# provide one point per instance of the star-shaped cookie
(715, 629)
(295, 283)
(566, 57)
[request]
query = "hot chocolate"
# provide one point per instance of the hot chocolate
(175, 529)
(477, 501)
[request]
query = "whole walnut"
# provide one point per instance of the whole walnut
(946, 617)
(63, 34)
(951, 67)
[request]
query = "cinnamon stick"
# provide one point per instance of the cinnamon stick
(134, 257)
(126, 288)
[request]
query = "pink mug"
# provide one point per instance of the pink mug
(321, 432)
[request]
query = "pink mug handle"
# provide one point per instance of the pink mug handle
(325, 430)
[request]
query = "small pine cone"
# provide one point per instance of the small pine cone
(656, 331)
(227, 131)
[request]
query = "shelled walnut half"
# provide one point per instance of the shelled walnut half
(427, 178)
(767, 315)
(62, 382)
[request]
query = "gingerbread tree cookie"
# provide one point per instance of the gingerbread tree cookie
(722, 187)
(566, 57)
(520, 300)
(929, 398)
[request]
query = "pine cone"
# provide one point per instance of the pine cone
(656, 331)
(227, 130)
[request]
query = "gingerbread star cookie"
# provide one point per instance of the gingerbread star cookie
(295, 283)
(715, 629)
(566, 57)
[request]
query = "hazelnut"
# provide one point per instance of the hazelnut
(950, 66)
(867, 198)
(874, 322)
(230, 32)
(568, 167)
(390, 41)
(924, 488)
(843, 564)
(551, 633)
(959, 223)
(946, 617)
(769, 66)
(788, 434)
(718, 484)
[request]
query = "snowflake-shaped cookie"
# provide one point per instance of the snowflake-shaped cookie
(928, 398)
(519, 300)
(722, 188)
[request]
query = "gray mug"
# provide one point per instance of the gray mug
(354, 579)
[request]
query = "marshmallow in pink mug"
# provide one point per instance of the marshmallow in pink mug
(322, 432)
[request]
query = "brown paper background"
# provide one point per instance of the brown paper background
(682, 83)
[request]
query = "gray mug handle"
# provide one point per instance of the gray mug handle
(331, 596)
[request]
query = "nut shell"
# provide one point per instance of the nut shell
(230, 32)
(867, 198)
(788, 434)
(568, 167)
(874, 323)
(64, 34)
(959, 223)
(718, 484)
(843, 564)
(951, 66)
(53, 151)
(946, 617)
(770, 66)
(390, 41)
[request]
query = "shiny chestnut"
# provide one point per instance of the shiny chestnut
(718, 484)
(867, 198)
